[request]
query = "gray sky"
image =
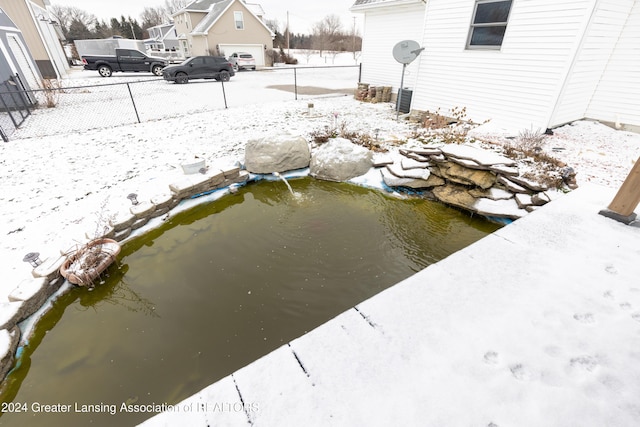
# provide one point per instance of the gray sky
(302, 14)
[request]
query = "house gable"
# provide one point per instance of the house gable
(216, 27)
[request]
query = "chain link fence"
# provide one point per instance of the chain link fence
(78, 107)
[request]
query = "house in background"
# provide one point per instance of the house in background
(42, 35)
(221, 27)
(523, 64)
(162, 37)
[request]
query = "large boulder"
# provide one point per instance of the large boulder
(340, 160)
(277, 153)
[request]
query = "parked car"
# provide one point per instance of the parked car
(124, 60)
(199, 67)
(242, 61)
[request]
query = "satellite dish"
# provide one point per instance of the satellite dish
(406, 51)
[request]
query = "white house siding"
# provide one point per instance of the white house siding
(595, 48)
(383, 28)
(514, 87)
(617, 96)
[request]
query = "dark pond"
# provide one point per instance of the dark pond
(219, 286)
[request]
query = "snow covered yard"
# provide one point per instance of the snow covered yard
(53, 186)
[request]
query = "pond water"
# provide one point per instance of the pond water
(219, 286)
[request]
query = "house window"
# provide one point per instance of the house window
(489, 24)
(237, 16)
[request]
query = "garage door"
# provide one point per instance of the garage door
(26, 66)
(257, 50)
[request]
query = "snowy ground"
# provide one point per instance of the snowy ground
(52, 187)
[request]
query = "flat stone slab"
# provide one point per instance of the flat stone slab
(50, 268)
(527, 183)
(163, 200)
(505, 170)
(408, 163)
(394, 181)
(492, 193)
(142, 210)
(462, 175)
(499, 208)
(416, 173)
(478, 155)
(512, 186)
(10, 314)
(27, 289)
(425, 151)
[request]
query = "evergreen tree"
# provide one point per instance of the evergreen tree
(78, 31)
(116, 29)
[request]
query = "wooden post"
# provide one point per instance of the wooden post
(627, 199)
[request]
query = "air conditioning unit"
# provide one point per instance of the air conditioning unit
(404, 97)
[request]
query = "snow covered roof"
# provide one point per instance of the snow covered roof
(202, 5)
(216, 10)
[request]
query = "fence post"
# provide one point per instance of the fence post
(224, 94)
(134, 103)
(295, 82)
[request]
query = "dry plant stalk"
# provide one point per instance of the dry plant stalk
(88, 257)
(52, 88)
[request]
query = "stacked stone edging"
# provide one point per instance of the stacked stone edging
(31, 294)
(476, 180)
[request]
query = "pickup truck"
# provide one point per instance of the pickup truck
(124, 60)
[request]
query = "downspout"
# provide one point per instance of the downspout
(574, 60)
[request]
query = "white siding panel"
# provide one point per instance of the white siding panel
(555, 65)
(382, 30)
(591, 60)
(514, 87)
(617, 96)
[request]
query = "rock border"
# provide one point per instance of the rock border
(473, 179)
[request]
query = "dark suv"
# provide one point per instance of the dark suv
(199, 67)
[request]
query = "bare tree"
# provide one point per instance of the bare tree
(63, 15)
(172, 6)
(326, 33)
(152, 16)
(68, 14)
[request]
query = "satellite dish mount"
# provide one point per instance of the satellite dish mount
(405, 52)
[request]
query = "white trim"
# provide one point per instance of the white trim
(14, 29)
(5, 52)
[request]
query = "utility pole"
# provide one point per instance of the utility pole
(288, 33)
